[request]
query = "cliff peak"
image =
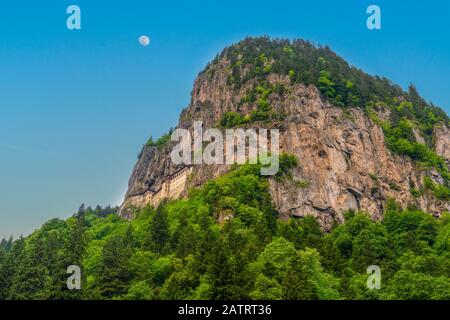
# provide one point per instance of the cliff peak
(360, 140)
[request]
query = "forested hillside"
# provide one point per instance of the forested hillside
(351, 140)
(181, 251)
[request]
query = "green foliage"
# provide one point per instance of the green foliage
(139, 291)
(266, 289)
(306, 279)
(161, 142)
(287, 163)
(262, 112)
(419, 286)
(231, 119)
(180, 251)
(401, 140)
(440, 191)
(302, 184)
(158, 235)
(344, 86)
(113, 274)
(326, 86)
(274, 259)
(339, 82)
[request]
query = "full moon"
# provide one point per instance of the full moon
(144, 41)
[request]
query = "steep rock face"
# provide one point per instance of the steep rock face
(441, 137)
(344, 163)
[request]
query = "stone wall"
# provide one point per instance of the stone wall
(171, 188)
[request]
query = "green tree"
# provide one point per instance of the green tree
(306, 280)
(266, 289)
(159, 231)
(31, 277)
(114, 277)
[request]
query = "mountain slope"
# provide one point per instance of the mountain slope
(359, 139)
(179, 251)
(339, 155)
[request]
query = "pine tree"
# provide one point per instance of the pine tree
(32, 275)
(296, 285)
(220, 271)
(184, 238)
(72, 254)
(114, 276)
(3, 260)
(9, 268)
(159, 231)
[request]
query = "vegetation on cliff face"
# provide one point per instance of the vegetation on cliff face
(254, 59)
(161, 141)
(341, 83)
(226, 241)
(263, 112)
(181, 251)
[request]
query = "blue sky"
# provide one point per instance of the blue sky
(76, 106)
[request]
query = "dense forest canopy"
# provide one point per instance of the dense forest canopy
(180, 251)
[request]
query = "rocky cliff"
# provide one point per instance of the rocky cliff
(345, 162)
